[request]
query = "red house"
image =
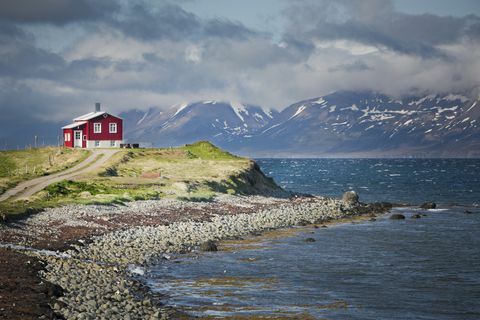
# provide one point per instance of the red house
(97, 129)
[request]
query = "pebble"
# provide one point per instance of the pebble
(96, 275)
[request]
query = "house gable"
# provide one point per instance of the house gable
(98, 129)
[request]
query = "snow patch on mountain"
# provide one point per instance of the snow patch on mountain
(143, 118)
(320, 101)
(454, 97)
(238, 108)
(180, 108)
(473, 105)
(299, 110)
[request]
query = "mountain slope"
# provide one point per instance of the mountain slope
(220, 122)
(339, 124)
(346, 122)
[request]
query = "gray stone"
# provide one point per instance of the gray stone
(350, 198)
(209, 246)
(397, 216)
(428, 205)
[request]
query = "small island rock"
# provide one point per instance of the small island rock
(397, 216)
(428, 205)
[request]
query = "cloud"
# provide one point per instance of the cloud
(374, 22)
(142, 54)
(355, 66)
(170, 21)
(55, 11)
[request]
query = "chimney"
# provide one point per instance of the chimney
(97, 107)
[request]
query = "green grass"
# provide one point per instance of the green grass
(195, 172)
(20, 165)
(207, 151)
(78, 192)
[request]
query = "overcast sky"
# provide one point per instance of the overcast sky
(58, 57)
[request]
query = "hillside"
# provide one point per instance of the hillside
(208, 120)
(344, 123)
(21, 165)
(195, 172)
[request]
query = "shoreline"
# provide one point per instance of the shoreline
(96, 270)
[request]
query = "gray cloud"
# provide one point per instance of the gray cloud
(170, 21)
(55, 11)
(355, 66)
(375, 22)
(146, 54)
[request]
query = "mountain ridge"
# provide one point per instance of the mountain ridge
(344, 123)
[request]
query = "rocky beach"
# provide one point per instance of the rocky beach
(93, 252)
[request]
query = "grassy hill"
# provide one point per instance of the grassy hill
(17, 166)
(195, 172)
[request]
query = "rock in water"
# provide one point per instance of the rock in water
(350, 198)
(309, 240)
(416, 216)
(397, 216)
(209, 246)
(428, 205)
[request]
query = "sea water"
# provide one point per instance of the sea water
(427, 268)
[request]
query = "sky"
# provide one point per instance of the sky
(59, 57)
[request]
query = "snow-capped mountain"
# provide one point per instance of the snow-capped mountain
(346, 122)
(341, 123)
(220, 122)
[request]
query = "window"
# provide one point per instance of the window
(113, 128)
(67, 136)
(112, 143)
(97, 143)
(97, 128)
(78, 135)
(84, 137)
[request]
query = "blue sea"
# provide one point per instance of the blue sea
(427, 268)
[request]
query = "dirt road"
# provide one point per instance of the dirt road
(27, 188)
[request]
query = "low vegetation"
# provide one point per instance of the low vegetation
(21, 165)
(195, 172)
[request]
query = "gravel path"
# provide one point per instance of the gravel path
(27, 188)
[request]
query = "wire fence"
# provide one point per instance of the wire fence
(37, 141)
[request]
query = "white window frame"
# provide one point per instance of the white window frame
(97, 127)
(112, 125)
(97, 143)
(84, 137)
(112, 143)
(67, 136)
(78, 133)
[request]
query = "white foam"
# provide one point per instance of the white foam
(136, 270)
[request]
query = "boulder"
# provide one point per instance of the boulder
(416, 216)
(210, 245)
(397, 216)
(428, 205)
(310, 240)
(350, 198)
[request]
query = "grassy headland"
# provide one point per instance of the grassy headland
(194, 172)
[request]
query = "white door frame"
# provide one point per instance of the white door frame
(77, 143)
